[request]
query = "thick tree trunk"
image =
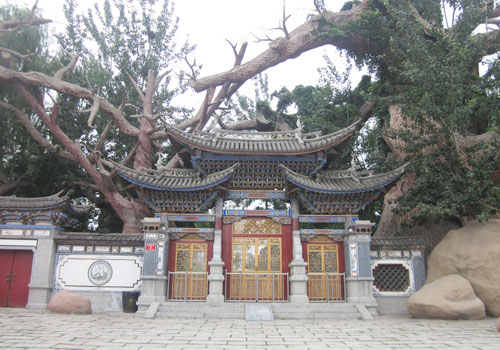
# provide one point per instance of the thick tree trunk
(144, 146)
(396, 225)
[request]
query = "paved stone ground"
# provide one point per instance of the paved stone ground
(29, 329)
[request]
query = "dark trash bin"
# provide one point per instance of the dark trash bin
(129, 300)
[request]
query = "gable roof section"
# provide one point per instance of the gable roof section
(339, 182)
(43, 204)
(269, 143)
(173, 179)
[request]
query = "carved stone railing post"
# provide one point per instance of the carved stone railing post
(216, 277)
(298, 277)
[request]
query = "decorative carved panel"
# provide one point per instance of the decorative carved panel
(251, 226)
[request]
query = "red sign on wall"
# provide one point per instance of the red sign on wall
(150, 246)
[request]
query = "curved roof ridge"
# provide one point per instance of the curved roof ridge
(54, 201)
(163, 179)
(53, 197)
(295, 143)
(345, 184)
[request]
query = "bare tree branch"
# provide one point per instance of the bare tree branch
(40, 79)
(7, 52)
(136, 87)
(192, 66)
(102, 137)
(160, 78)
(259, 123)
(282, 26)
(93, 111)
(302, 39)
(69, 68)
(35, 134)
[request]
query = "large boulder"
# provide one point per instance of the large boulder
(472, 252)
(66, 302)
(448, 298)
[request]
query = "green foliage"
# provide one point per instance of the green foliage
(432, 74)
(445, 100)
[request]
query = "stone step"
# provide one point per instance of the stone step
(200, 310)
(317, 311)
(237, 310)
(225, 315)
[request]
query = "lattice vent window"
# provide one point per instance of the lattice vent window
(391, 278)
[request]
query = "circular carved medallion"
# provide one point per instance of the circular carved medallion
(100, 272)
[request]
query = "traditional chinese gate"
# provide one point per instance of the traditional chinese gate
(15, 274)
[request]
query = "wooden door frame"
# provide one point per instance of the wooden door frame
(172, 262)
(23, 279)
(286, 246)
(340, 258)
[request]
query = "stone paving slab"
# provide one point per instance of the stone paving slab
(41, 330)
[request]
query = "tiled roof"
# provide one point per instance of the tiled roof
(173, 179)
(347, 181)
(269, 143)
(38, 204)
(110, 238)
(398, 242)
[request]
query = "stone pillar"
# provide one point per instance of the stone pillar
(298, 277)
(42, 273)
(155, 267)
(359, 280)
(215, 295)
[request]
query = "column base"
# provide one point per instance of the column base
(360, 290)
(39, 297)
(154, 288)
(299, 299)
(215, 299)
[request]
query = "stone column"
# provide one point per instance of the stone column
(298, 277)
(42, 273)
(359, 280)
(155, 267)
(215, 295)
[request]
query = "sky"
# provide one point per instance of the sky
(208, 23)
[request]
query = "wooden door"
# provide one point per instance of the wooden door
(190, 258)
(323, 264)
(15, 275)
(257, 259)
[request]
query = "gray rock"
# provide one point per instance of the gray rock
(448, 298)
(498, 325)
(472, 252)
(66, 302)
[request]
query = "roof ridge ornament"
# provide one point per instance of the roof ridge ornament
(298, 131)
(353, 173)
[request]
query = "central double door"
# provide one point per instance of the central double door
(256, 269)
(257, 253)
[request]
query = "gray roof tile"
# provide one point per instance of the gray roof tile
(345, 181)
(173, 179)
(270, 143)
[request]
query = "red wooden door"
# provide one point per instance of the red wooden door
(15, 275)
